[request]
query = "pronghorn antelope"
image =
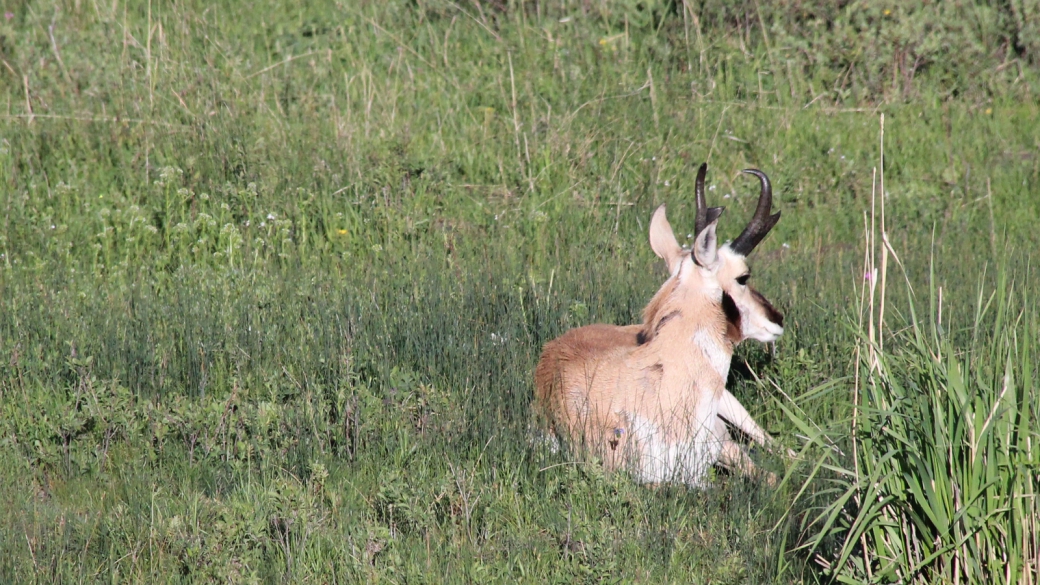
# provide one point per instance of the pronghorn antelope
(651, 398)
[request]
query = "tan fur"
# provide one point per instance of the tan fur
(644, 406)
(594, 381)
(598, 385)
(575, 356)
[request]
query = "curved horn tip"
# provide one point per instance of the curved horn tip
(704, 215)
(761, 222)
(702, 171)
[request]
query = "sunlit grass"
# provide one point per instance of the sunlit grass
(943, 482)
(274, 278)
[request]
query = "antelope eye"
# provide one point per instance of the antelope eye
(742, 280)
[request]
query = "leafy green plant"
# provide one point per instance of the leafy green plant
(944, 474)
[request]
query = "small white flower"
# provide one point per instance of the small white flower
(786, 246)
(270, 216)
(666, 183)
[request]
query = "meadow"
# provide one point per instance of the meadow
(274, 278)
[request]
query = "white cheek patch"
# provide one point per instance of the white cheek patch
(755, 325)
(717, 356)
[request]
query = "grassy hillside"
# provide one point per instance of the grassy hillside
(274, 279)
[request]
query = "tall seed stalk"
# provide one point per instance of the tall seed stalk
(944, 476)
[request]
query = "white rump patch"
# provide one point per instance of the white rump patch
(652, 459)
(537, 437)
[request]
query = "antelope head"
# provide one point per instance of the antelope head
(749, 314)
(652, 397)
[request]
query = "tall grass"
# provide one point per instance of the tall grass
(942, 480)
(946, 472)
(273, 278)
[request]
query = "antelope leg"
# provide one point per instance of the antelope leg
(734, 457)
(734, 412)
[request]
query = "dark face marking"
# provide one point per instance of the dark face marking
(729, 307)
(771, 313)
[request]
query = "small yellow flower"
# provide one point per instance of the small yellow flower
(887, 12)
(989, 111)
(603, 42)
(342, 232)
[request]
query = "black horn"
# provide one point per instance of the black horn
(761, 222)
(705, 214)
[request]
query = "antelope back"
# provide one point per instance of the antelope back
(647, 393)
(646, 397)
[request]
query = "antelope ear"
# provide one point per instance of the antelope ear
(663, 242)
(705, 247)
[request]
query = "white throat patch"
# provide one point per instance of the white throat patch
(716, 355)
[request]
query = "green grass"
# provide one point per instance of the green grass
(274, 279)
